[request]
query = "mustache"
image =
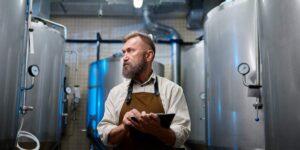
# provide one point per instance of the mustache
(126, 63)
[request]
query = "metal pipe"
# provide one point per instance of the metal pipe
(176, 62)
(53, 23)
(92, 41)
(25, 68)
(76, 68)
(113, 41)
(98, 45)
(172, 34)
(258, 59)
(258, 64)
(27, 38)
(30, 87)
(153, 27)
(76, 62)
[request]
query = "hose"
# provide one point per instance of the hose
(27, 135)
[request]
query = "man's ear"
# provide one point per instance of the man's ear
(149, 55)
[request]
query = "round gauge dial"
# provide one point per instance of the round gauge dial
(68, 90)
(202, 96)
(243, 68)
(33, 70)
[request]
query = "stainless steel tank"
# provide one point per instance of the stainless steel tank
(280, 58)
(12, 49)
(230, 39)
(47, 94)
(193, 84)
(103, 76)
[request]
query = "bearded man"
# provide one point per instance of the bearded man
(130, 120)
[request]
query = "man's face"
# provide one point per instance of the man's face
(134, 61)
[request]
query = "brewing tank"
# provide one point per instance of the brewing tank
(47, 94)
(12, 50)
(231, 39)
(280, 58)
(103, 76)
(193, 85)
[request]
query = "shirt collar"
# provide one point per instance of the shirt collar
(151, 79)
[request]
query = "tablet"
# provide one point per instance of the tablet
(166, 119)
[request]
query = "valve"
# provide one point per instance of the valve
(24, 109)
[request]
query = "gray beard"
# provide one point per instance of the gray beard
(132, 70)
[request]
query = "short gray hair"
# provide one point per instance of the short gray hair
(145, 37)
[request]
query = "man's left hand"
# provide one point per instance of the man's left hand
(147, 123)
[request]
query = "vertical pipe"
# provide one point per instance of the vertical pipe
(98, 45)
(76, 63)
(256, 11)
(27, 48)
(174, 38)
(176, 62)
(76, 68)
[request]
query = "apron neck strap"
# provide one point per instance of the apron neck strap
(156, 90)
(130, 89)
(129, 92)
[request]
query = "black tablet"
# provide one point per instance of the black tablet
(166, 119)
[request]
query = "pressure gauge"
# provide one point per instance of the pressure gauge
(243, 68)
(202, 96)
(33, 70)
(68, 90)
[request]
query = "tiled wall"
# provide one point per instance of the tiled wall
(109, 28)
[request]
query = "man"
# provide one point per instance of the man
(130, 119)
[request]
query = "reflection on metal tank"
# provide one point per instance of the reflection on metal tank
(47, 94)
(279, 45)
(12, 49)
(193, 84)
(230, 112)
(103, 76)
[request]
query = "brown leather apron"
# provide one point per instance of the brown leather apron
(148, 102)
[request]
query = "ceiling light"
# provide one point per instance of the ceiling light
(137, 3)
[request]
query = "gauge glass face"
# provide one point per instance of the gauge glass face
(243, 68)
(35, 70)
(202, 96)
(68, 90)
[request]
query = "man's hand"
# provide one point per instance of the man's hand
(127, 120)
(146, 123)
(117, 134)
(150, 124)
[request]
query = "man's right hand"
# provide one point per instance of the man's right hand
(117, 134)
(131, 117)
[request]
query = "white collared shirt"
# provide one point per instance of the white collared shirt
(173, 101)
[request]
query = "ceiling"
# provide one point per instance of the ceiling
(109, 8)
(193, 11)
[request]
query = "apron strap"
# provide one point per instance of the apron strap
(130, 90)
(156, 90)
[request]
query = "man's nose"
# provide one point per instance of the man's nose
(125, 57)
